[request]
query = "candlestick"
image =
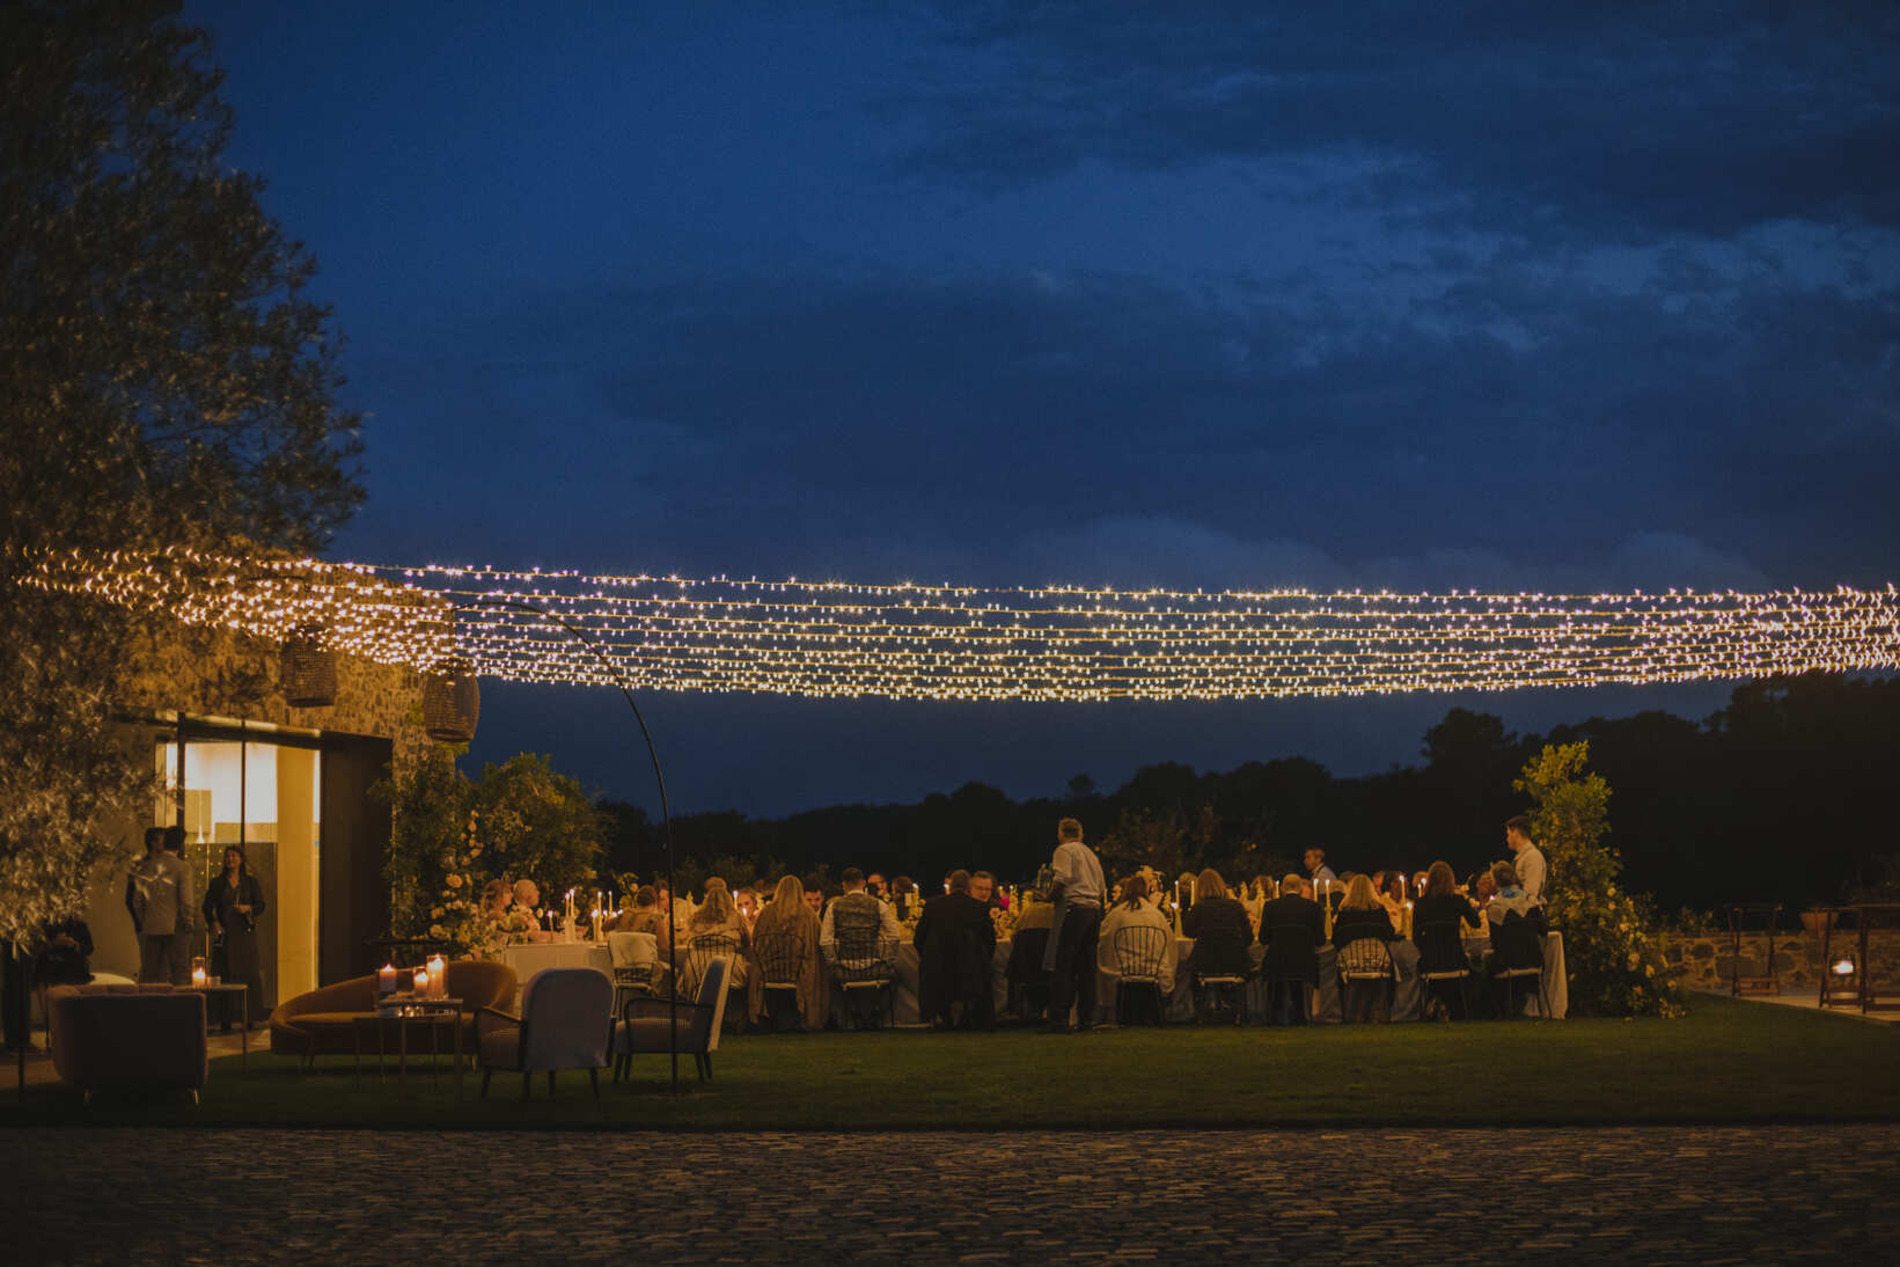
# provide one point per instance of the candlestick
(1408, 918)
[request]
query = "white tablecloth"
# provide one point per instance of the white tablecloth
(531, 957)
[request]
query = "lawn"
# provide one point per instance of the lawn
(1727, 1062)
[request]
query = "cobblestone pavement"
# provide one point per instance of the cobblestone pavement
(1653, 1194)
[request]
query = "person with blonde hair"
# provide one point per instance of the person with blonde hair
(716, 916)
(785, 943)
(1361, 915)
(1219, 927)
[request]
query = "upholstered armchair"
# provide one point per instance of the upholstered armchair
(646, 1025)
(565, 1022)
(107, 1037)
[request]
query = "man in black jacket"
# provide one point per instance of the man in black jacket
(1292, 929)
(956, 943)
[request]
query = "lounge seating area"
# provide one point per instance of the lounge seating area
(323, 1022)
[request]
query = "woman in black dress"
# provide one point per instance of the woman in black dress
(232, 905)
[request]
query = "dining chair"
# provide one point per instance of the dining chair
(1441, 959)
(1140, 953)
(648, 1026)
(781, 956)
(1366, 968)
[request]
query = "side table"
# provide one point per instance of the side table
(242, 991)
(404, 1012)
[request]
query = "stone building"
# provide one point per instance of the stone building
(238, 765)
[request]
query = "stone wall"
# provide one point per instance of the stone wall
(223, 673)
(1708, 960)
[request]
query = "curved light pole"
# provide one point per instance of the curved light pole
(666, 813)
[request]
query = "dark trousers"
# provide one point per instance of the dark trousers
(1073, 981)
(14, 1005)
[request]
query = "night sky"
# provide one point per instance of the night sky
(1419, 296)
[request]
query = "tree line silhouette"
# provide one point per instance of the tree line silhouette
(1783, 795)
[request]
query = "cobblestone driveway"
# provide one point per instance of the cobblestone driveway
(1663, 1194)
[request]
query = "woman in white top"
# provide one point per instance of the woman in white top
(1134, 909)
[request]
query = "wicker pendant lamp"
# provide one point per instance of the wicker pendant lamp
(309, 669)
(451, 702)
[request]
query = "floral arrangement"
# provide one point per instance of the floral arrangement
(1004, 922)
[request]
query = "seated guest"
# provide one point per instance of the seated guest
(1482, 887)
(903, 895)
(983, 887)
(1218, 924)
(1292, 928)
(538, 924)
(1035, 912)
(1390, 888)
(747, 900)
(815, 894)
(718, 915)
(1361, 916)
(875, 886)
(1440, 905)
(861, 919)
(1132, 910)
(1509, 897)
(956, 943)
(645, 916)
(1184, 889)
(787, 927)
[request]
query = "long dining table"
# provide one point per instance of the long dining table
(1406, 994)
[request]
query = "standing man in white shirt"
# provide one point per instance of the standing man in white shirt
(1529, 858)
(1080, 889)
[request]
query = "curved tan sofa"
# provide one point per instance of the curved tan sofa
(323, 1022)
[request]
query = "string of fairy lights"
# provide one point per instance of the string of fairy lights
(1049, 643)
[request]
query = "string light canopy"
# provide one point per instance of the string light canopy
(1051, 643)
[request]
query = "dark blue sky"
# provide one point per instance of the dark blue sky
(1475, 296)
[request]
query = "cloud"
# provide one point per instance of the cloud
(1518, 412)
(1625, 122)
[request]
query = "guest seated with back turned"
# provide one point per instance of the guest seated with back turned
(1509, 897)
(1441, 907)
(862, 921)
(1360, 915)
(1292, 928)
(645, 916)
(956, 942)
(1219, 926)
(1132, 909)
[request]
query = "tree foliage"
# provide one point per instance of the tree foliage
(1614, 963)
(451, 835)
(165, 380)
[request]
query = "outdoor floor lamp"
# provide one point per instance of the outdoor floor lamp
(666, 814)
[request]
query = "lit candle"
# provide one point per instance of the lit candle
(1408, 917)
(386, 979)
(199, 979)
(421, 982)
(438, 969)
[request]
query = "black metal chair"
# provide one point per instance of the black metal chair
(781, 957)
(1441, 960)
(1291, 968)
(1517, 956)
(1366, 970)
(1140, 952)
(865, 969)
(1221, 969)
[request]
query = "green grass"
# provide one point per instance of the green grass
(1727, 1062)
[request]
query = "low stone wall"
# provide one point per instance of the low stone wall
(1707, 961)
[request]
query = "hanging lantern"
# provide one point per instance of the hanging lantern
(451, 702)
(309, 670)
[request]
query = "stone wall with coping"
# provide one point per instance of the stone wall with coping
(1707, 961)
